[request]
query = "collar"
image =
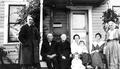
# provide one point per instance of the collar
(28, 24)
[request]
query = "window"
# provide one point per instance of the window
(13, 24)
(116, 9)
(79, 21)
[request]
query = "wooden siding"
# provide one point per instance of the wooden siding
(97, 13)
(11, 48)
(1, 22)
(59, 16)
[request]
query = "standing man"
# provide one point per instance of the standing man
(49, 52)
(29, 38)
(64, 52)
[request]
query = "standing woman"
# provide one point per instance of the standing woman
(113, 47)
(97, 52)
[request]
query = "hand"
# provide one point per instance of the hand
(53, 55)
(63, 57)
(92, 52)
(71, 55)
(97, 50)
(48, 56)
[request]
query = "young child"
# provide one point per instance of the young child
(83, 47)
(77, 62)
(86, 57)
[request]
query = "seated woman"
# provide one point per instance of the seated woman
(97, 52)
(77, 49)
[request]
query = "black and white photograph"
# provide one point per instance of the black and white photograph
(59, 34)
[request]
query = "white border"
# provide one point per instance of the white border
(89, 8)
(6, 19)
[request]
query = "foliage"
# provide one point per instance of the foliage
(34, 10)
(109, 15)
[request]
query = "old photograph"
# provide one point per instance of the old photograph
(59, 34)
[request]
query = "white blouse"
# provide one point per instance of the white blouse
(75, 48)
(95, 43)
(111, 34)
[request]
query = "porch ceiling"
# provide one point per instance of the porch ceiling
(64, 3)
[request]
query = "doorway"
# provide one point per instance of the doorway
(79, 25)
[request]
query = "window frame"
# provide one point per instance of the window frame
(6, 19)
(12, 23)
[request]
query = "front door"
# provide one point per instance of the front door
(79, 25)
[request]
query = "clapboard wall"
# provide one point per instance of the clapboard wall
(11, 48)
(97, 14)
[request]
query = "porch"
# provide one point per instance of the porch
(73, 17)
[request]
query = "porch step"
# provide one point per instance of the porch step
(17, 66)
(9, 66)
(14, 66)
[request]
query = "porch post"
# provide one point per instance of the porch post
(51, 19)
(41, 26)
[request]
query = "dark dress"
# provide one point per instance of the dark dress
(64, 50)
(29, 51)
(97, 57)
(48, 49)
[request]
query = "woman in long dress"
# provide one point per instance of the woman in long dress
(97, 52)
(113, 47)
(76, 51)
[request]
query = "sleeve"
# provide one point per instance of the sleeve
(93, 49)
(38, 35)
(56, 48)
(22, 35)
(85, 50)
(43, 53)
(118, 35)
(59, 48)
(73, 50)
(101, 48)
(107, 36)
(68, 48)
(67, 51)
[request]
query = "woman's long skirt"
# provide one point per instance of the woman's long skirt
(113, 54)
(97, 60)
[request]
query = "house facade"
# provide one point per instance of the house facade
(83, 17)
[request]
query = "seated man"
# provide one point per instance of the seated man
(49, 52)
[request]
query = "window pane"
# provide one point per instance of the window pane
(14, 14)
(78, 21)
(13, 32)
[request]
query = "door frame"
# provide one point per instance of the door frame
(89, 9)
